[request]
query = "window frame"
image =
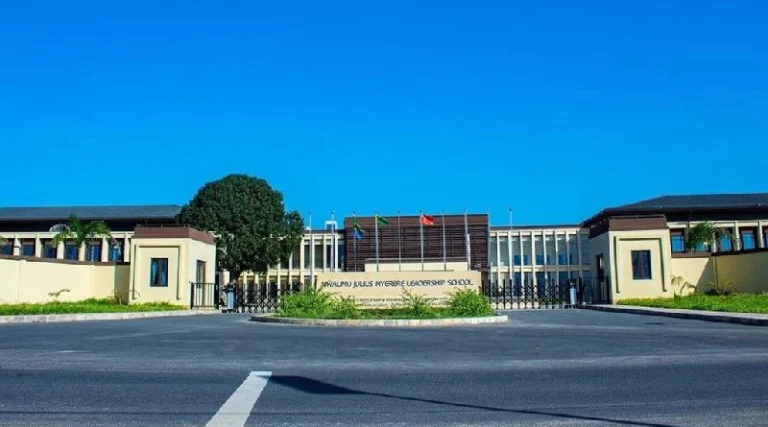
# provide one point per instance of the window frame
(639, 267)
(154, 266)
(681, 235)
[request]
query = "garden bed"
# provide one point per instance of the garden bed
(85, 306)
(737, 303)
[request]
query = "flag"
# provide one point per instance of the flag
(357, 230)
(427, 220)
(381, 220)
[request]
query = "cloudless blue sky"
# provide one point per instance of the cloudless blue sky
(556, 108)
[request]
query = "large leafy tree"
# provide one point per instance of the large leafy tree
(703, 234)
(79, 231)
(253, 231)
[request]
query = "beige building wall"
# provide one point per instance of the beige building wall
(623, 284)
(749, 271)
(698, 270)
(38, 281)
(182, 255)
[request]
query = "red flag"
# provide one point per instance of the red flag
(427, 220)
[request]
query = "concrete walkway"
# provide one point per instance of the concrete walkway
(80, 317)
(712, 316)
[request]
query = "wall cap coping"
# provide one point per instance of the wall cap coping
(755, 319)
(59, 261)
(387, 323)
(81, 317)
(741, 252)
(691, 254)
(172, 232)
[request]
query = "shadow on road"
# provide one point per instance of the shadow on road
(309, 385)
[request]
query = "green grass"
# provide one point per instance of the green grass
(86, 306)
(737, 303)
(383, 313)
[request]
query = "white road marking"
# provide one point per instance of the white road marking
(235, 411)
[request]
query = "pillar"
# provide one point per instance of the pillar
(60, 250)
(127, 253)
(16, 246)
(38, 247)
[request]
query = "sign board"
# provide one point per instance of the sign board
(385, 288)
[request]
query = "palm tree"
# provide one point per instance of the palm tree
(80, 232)
(703, 234)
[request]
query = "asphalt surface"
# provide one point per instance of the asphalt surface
(544, 368)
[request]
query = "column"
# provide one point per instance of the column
(104, 250)
(302, 260)
(736, 237)
(60, 250)
(510, 257)
(498, 259)
(544, 254)
(578, 248)
(335, 251)
(290, 269)
(568, 253)
(325, 251)
(760, 234)
(127, 252)
(16, 246)
(81, 252)
(557, 255)
(38, 247)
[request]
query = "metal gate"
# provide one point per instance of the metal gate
(510, 294)
(248, 297)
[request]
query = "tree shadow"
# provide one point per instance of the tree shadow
(312, 386)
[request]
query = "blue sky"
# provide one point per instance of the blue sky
(555, 108)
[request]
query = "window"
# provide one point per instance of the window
(28, 247)
(93, 251)
(492, 254)
(562, 259)
(573, 249)
(200, 272)
(725, 244)
(677, 238)
(319, 255)
(49, 251)
(747, 239)
(585, 253)
(329, 256)
(641, 265)
(517, 259)
(526, 260)
(504, 251)
(527, 250)
(342, 250)
(158, 273)
(7, 249)
(539, 259)
(116, 251)
(539, 246)
(307, 258)
(562, 277)
(765, 237)
(295, 258)
(549, 245)
(70, 251)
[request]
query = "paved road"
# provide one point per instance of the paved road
(544, 368)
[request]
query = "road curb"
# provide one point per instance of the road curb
(710, 316)
(387, 323)
(83, 317)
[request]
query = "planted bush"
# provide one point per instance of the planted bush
(345, 308)
(417, 306)
(308, 303)
(467, 302)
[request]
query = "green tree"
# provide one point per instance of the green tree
(80, 232)
(704, 233)
(253, 231)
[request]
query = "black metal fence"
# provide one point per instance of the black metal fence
(510, 294)
(506, 294)
(248, 297)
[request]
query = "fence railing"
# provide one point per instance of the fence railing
(505, 294)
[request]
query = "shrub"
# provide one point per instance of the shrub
(722, 288)
(467, 302)
(345, 308)
(307, 303)
(417, 306)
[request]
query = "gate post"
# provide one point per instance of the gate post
(191, 295)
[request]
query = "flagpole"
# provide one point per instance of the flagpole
(311, 253)
(333, 241)
(421, 233)
(466, 241)
(399, 245)
(488, 256)
(445, 259)
(376, 236)
(354, 238)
